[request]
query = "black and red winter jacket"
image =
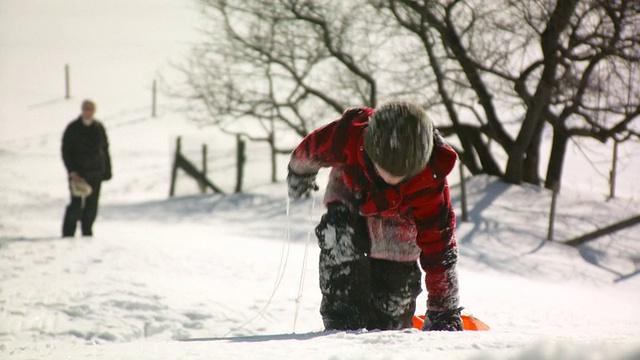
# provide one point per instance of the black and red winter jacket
(411, 220)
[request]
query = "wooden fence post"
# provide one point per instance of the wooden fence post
(240, 160)
(552, 212)
(614, 170)
(274, 159)
(463, 194)
(272, 144)
(201, 183)
(67, 85)
(174, 171)
(153, 99)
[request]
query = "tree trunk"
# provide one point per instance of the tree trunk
(513, 173)
(531, 165)
(467, 157)
(463, 156)
(550, 40)
(489, 165)
(556, 159)
(472, 136)
(476, 146)
(529, 132)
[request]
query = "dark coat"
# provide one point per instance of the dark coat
(413, 219)
(85, 150)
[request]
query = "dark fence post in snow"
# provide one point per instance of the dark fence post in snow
(274, 158)
(174, 171)
(463, 194)
(240, 161)
(614, 170)
(153, 99)
(183, 163)
(67, 85)
(552, 213)
(201, 183)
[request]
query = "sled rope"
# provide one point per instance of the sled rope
(284, 259)
(304, 264)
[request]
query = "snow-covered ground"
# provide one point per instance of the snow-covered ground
(196, 266)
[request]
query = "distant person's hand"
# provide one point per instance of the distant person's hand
(74, 176)
(301, 185)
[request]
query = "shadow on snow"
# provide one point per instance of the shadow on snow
(265, 338)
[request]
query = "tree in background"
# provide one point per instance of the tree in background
(568, 63)
(498, 71)
(275, 66)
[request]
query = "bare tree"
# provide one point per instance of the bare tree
(599, 64)
(498, 71)
(530, 63)
(273, 66)
(233, 76)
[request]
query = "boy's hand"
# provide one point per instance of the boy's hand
(443, 321)
(301, 185)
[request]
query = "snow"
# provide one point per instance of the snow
(202, 266)
(395, 142)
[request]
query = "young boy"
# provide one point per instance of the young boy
(387, 205)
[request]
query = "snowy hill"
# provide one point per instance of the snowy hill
(195, 266)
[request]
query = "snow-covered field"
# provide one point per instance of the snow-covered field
(196, 266)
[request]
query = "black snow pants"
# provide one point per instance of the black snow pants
(85, 214)
(359, 291)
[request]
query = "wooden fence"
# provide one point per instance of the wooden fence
(604, 231)
(201, 176)
(181, 162)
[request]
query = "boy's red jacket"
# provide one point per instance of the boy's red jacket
(413, 219)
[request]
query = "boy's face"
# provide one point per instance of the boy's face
(388, 178)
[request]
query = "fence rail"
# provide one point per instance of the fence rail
(604, 231)
(181, 162)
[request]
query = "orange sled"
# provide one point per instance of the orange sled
(469, 322)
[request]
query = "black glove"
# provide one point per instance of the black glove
(443, 321)
(301, 185)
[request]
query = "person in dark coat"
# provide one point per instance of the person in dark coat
(85, 152)
(388, 205)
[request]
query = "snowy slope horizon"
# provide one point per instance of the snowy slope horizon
(161, 269)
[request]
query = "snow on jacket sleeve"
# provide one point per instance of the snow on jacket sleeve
(327, 146)
(435, 222)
